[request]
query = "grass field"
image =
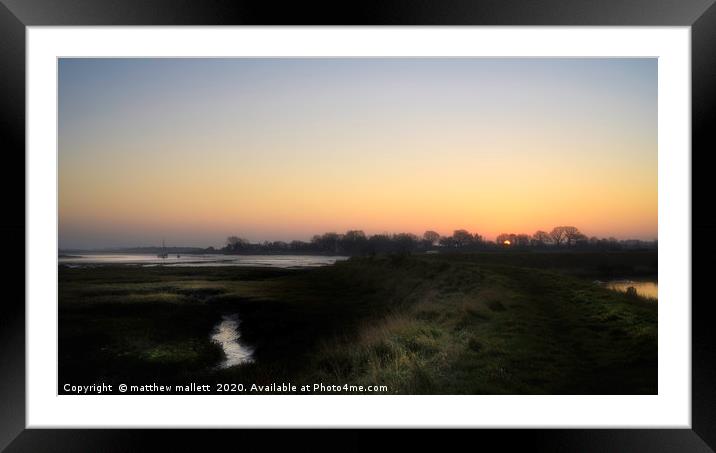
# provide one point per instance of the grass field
(491, 323)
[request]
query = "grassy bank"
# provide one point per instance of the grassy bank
(488, 323)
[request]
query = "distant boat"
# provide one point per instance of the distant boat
(163, 253)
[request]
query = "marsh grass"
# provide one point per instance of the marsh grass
(440, 324)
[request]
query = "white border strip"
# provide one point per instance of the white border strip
(670, 408)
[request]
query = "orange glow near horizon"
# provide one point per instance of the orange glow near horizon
(279, 161)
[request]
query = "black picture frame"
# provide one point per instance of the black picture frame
(16, 15)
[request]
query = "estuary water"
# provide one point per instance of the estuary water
(189, 260)
(644, 288)
(227, 335)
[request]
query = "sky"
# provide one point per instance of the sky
(195, 150)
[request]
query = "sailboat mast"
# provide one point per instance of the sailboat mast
(163, 253)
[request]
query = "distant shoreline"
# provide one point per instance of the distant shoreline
(517, 251)
(80, 253)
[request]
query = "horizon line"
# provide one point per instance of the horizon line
(308, 241)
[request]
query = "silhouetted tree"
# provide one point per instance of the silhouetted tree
(299, 246)
(354, 242)
(278, 246)
(380, 243)
(513, 240)
(431, 237)
(581, 240)
(405, 242)
(327, 242)
(541, 238)
(558, 235)
(447, 242)
(571, 234)
(462, 238)
(235, 243)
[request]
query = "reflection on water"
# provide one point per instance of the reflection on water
(226, 333)
(282, 261)
(649, 289)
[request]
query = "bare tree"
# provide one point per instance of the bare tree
(354, 241)
(568, 235)
(235, 243)
(558, 235)
(354, 235)
(571, 234)
(582, 240)
(447, 241)
(431, 237)
(513, 240)
(328, 242)
(405, 242)
(541, 238)
(462, 238)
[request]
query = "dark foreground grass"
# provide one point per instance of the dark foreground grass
(485, 324)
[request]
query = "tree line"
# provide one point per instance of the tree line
(356, 242)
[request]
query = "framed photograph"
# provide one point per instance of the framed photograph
(465, 216)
